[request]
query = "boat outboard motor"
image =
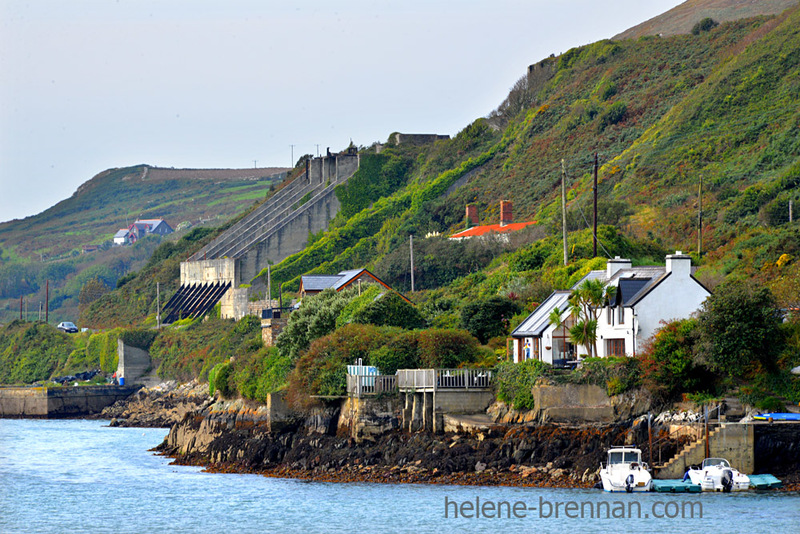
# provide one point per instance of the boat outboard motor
(727, 480)
(629, 483)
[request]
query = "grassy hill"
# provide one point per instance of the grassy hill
(682, 18)
(48, 246)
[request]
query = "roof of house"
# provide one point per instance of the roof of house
(318, 282)
(122, 232)
(486, 229)
(151, 222)
(321, 282)
(539, 320)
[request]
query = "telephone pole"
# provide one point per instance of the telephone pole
(292, 165)
(700, 218)
(564, 207)
(594, 190)
(411, 247)
(158, 306)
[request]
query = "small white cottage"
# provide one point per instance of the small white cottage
(645, 296)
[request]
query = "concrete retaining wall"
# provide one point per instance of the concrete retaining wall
(133, 363)
(59, 402)
(733, 441)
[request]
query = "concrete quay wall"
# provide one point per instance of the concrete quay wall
(42, 402)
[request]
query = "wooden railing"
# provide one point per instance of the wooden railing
(437, 379)
(364, 385)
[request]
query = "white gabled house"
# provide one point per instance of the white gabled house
(645, 296)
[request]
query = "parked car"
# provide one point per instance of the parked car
(67, 327)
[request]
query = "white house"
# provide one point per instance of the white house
(645, 296)
(141, 228)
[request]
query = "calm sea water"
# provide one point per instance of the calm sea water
(81, 476)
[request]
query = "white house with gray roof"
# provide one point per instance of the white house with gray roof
(645, 296)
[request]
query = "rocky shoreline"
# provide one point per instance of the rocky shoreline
(239, 437)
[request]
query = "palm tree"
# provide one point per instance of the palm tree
(585, 304)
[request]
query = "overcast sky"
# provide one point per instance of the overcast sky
(88, 84)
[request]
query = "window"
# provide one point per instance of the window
(615, 347)
(610, 316)
(620, 315)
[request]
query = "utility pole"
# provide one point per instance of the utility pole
(594, 190)
(158, 306)
(317, 149)
(20, 308)
(255, 163)
(269, 289)
(47, 302)
(411, 247)
(564, 207)
(700, 218)
(292, 165)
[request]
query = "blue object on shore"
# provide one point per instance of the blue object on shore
(777, 417)
(122, 381)
(674, 486)
(764, 482)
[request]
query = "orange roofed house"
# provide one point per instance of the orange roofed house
(506, 225)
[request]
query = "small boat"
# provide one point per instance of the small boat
(777, 416)
(625, 471)
(716, 474)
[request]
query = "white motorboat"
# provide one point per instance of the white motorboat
(625, 471)
(716, 474)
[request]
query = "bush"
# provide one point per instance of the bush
(315, 318)
(389, 309)
(139, 338)
(401, 352)
(446, 348)
(704, 25)
(321, 370)
(668, 361)
(616, 374)
(218, 379)
(488, 318)
(514, 382)
(740, 328)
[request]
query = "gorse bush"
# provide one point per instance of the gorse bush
(514, 382)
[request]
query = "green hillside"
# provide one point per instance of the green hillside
(48, 246)
(660, 113)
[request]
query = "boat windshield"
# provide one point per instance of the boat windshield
(623, 457)
(718, 462)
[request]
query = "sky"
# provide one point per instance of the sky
(86, 85)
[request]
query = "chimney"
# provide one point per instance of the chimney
(617, 264)
(679, 263)
(472, 215)
(506, 215)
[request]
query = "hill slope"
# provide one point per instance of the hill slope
(47, 246)
(681, 19)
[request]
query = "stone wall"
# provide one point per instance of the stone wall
(368, 417)
(270, 329)
(59, 402)
(732, 441)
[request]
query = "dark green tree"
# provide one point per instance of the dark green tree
(488, 318)
(390, 309)
(739, 328)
